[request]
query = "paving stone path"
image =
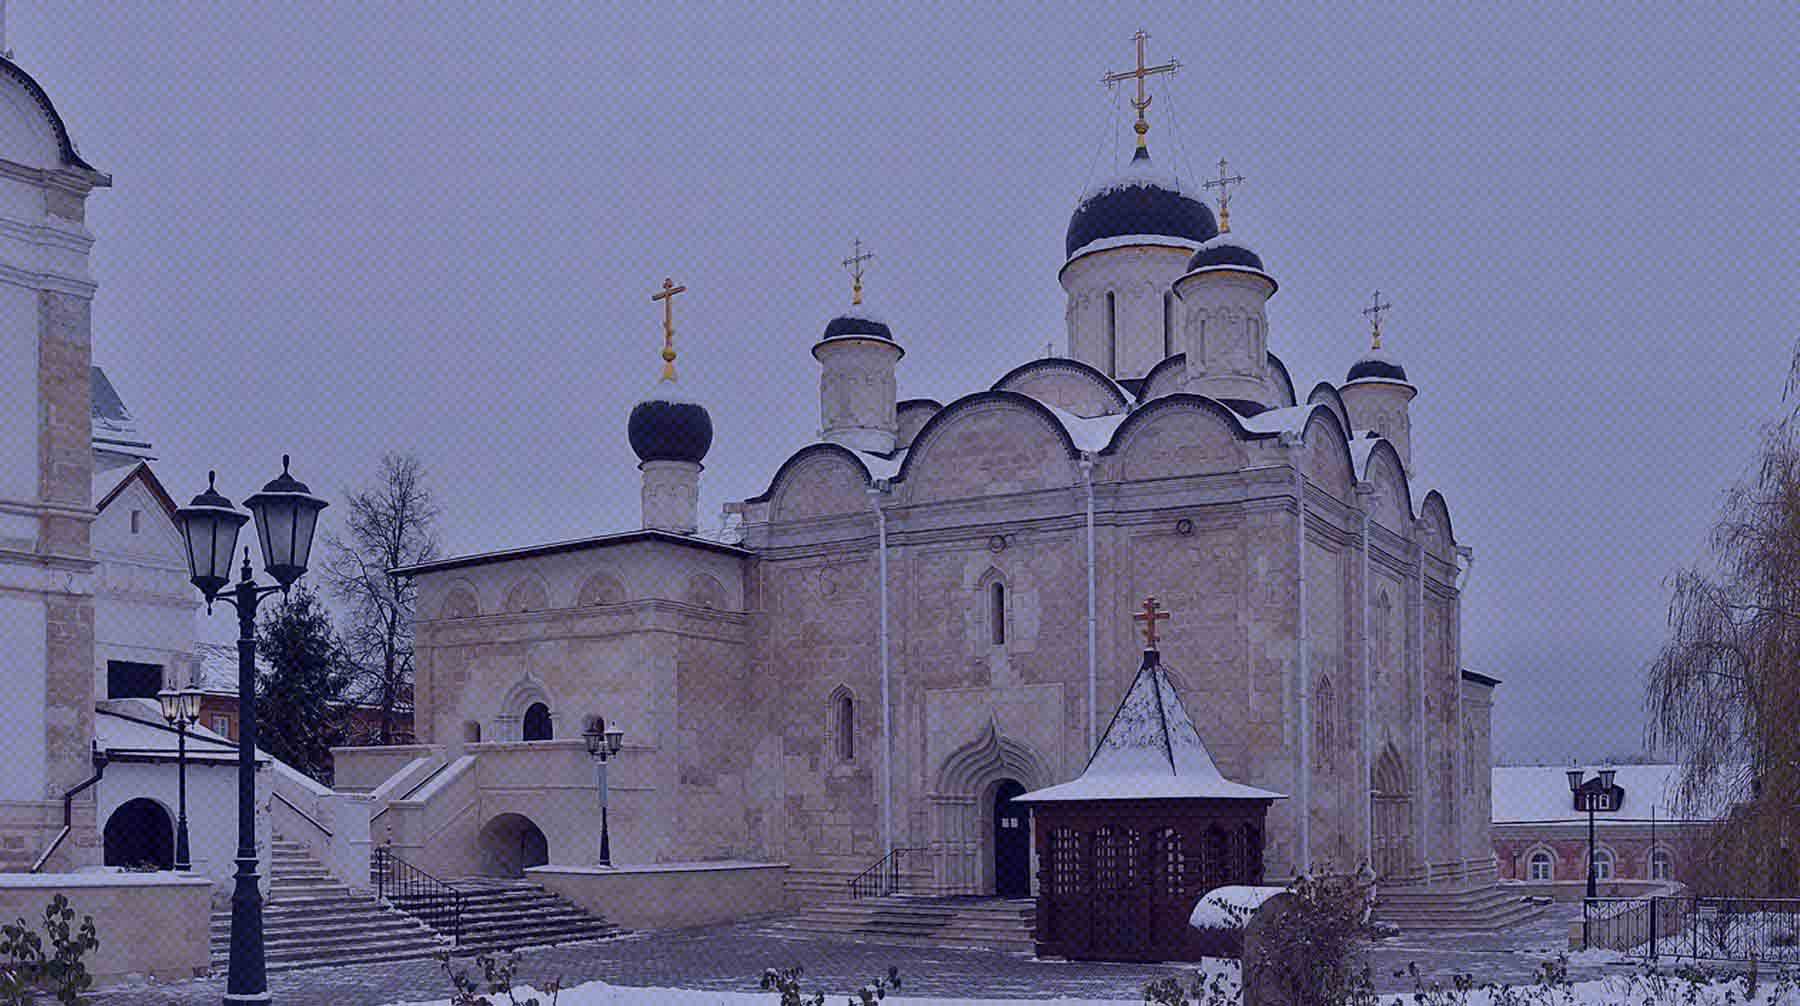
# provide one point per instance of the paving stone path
(732, 958)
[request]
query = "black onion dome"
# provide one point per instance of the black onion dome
(1225, 252)
(667, 426)
(845, 325)
(1140, 201)
(1376, 368)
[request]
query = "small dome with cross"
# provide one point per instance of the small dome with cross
(668, 424)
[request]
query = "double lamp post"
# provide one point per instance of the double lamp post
(286, 515)
(603, 745)
(1591, 799)
(181, 709)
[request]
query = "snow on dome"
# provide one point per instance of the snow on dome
(1150, 751)
(1231, 906)
(1140, 172)
(1135, 241)
(1143, 199)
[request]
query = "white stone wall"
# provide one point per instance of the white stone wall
(144, 606)
(857, 392)
(1224, 331)
(46, 603)
(1138, 277)
(212, 811)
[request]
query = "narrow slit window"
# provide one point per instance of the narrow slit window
(1112, 335)
(997, 613)
(1168, 325)
(846, 728)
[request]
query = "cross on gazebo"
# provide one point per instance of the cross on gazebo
(1223, 183)
(855, 264)
(1374, 312)
(1151, 615)
(1142, 101)
(667, 296)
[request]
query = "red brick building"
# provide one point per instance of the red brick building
(1541, 838)
(217, 678)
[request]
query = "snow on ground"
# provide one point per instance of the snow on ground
(1604, 992)
(1228, 907)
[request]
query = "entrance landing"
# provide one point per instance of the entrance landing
(909, 921)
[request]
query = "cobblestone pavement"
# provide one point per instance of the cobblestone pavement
(732, 958)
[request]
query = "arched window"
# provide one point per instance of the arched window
(472, 732)
(537, 723)
(1168, 324)
(1603, 864)
(1112, 335)
(1541, 866)
(997, 614)
(1325, 726)
(844, 715)
(1662, 865)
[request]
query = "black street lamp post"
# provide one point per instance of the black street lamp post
(286, 515)
(603, 744)
(1590, 800)
(181, 709)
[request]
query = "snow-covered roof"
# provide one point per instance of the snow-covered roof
(1134, 241)
(1150, 751)
(113, 427)
(216, 670)
(882, 467)
(136, 727)
(1539, 794)
(1091, 435)
(1141, 172)
(1290, 419)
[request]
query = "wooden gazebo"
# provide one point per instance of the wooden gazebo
(1126, 850)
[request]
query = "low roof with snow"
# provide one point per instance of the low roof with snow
(135, 728)
(1150, 751)
(1539, 794)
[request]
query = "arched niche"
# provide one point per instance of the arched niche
(1178, 435)
(527, 594)
(962, 806)
(988, 443)
(140, 833)
(600, 588)
(704, 591)
(460, 601)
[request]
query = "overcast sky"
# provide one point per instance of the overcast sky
(339, 230)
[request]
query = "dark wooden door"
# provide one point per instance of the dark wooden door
(1012, 843)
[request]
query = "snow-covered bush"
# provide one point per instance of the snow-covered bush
(496, 979)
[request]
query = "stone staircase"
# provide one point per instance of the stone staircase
(907, 921)
(510, 914)
(1488, 908)
(310, 920)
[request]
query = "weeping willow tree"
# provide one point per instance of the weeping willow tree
(1724, 692)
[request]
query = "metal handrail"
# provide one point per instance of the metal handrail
(881, 879)
(417, 893)
(304, 816)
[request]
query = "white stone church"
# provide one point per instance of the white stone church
(928, 610)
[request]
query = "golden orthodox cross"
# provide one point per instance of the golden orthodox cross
(667, 296)
(855, 264)
(1150, 616)
(1374, 311)
(1142, 101)
(1224, 183)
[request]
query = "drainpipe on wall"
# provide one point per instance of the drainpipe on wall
(1297, 443)
(1087, 478)
(1424, 724)
(1465, 561)
(887, 741)
(1367, 494)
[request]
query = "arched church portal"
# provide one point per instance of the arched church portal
(510, 844)
(139, 834)
(969, 802)
(1390, 812)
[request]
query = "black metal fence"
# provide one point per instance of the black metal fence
(417, 893)
(883, 878)
(1766, 930)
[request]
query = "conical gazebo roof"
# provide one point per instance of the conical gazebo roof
(1150, 751)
